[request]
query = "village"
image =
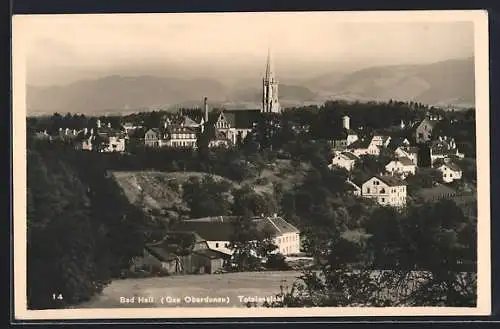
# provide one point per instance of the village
(203, 245)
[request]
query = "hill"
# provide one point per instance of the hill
(446, 82)
(163, 190)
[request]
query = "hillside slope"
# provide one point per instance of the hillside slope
(447, 82)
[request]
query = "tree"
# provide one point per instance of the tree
(243, 242)
(419, 259)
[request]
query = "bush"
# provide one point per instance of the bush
(277, 262)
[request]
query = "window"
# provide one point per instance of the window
(383, 199)
(226, 245)
(217, 245)
(368, 190)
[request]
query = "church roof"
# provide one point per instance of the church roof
(242, 119)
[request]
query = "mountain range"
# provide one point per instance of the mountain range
(450, 82)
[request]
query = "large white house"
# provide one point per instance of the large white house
(450, 171)
(402, 166)
(218, 231)
(386, 190)
(344, 160)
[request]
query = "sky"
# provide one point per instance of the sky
(61, 48)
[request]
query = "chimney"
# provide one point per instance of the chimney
(85, 130)
(205, 109)
(98, 123)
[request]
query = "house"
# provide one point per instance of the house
(443, 148)
(343, 137)
(240, 123)
(183, 253)
(344, 160)
(102, 139)
(218, 232)
(386, 190)
(381, 141)
(423, 131)
(220, 140)
(182, 136)
(402, 166)
(449, 170)
(363, 147)
(398, 142)
(410, 152)
(354, 187)
(155, 137)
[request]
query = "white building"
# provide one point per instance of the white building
(385, 190)
(217, 231)
(402, 166)
(409, 152)
(344, 160)
(450, 171)
(380, 140)
(182, 136)
(364, 147)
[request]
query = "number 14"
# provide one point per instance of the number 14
(57, 296)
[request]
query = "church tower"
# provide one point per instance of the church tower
(270, 102)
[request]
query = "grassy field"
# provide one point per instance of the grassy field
(228, 285)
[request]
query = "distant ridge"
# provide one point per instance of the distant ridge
(447, 82)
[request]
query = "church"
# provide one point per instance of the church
(270, 101)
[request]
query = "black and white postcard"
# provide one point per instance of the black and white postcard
(219, 165)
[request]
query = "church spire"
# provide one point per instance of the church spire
(270, 102)
(269, 76)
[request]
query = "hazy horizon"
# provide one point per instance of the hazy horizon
(232, 46)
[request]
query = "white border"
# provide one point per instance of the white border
(21, 28)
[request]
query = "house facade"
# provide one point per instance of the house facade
(408, 152)
(191, 256)
(381, 141)
(423, 131)
(449, 171)
(344, 160)
(218, 231)
(402, 166)
(155, 137)
(385, 190)
(182, 136)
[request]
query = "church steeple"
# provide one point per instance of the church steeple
(269, 76)
(270, 102)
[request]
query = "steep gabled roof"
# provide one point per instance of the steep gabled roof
(195, 114)
(221, 228)
(390, 180)
(406, 161)
(349, 156)
(360, 144)
(242, 119)
(451, 165)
